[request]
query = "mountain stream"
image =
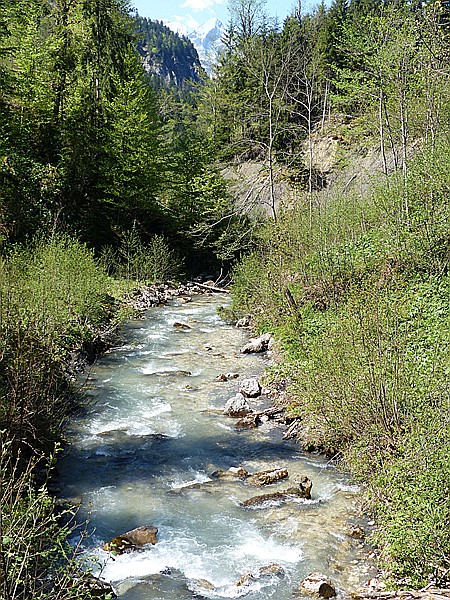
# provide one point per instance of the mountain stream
(143, 454)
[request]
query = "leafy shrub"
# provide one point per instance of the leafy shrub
(36, 560)
(153, 262)
(365, 340)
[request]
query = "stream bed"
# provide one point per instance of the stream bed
(143, 454)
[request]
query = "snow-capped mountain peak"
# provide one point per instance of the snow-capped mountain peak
(207, 40)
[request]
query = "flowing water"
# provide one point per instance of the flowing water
(156, 428)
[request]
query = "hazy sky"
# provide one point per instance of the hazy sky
(187, 15)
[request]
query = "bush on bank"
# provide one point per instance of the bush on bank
(358, 295)
(54, 298)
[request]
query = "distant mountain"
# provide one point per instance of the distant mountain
(207, 41)
(169, 58)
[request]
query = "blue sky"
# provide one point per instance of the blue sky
(187, 15)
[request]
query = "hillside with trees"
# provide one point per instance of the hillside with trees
(105, 179)
(169, 59)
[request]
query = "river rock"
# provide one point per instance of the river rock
(203, 584)
(181, 326)
(356, 532)
(270, 570)
(259, 344)
(237, 406)
(301, 490)
(227, 376)
(250, 388)
(268, 477)
(132, 540)
(244, 322)
(318, 584)
(250, 421)
(232, 473)
(265, 571)
(246, 579)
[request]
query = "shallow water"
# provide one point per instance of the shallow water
(156, 427)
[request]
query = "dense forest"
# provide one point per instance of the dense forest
(107, 179)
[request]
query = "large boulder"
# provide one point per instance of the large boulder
(250, 388)
(317, 584)
(237, 406)
(268, 477)
(259, 344)
(132, 540)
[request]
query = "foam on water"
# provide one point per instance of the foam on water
(221, 566)
(145, 452)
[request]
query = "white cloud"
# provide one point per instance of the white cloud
(199, 5)
(182, 24)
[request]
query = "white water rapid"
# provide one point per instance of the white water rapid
(154, 428)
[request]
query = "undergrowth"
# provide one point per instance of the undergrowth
(358, 295)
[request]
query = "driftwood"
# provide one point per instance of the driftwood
(211, 288)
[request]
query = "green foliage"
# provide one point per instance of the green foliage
(357, 294)
(415, 514)
(51, 301)
(153, 262)
(36, 560)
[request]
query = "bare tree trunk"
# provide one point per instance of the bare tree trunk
(381, 127)
(325, 101)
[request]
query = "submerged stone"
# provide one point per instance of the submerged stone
(301, 490)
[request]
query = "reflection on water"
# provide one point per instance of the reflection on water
(144, 455)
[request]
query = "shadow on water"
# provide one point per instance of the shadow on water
(152, 455)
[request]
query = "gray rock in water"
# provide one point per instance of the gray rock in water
(232, 473)
(132, 540)
(318, 584)
(250, 388)
(301, 490)
(227, 376)
(250, 421)
(246, 579)
(259, 344)
(268, 477)
(270, 570)
(181, 326)
(237, 406)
